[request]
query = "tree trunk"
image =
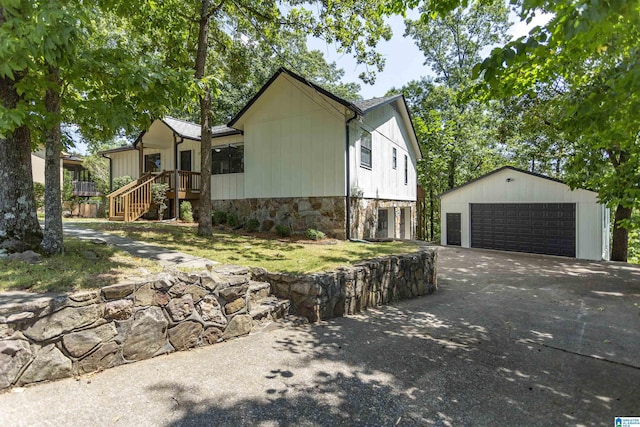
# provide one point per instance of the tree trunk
(431, 219)
(452, 171)
(620, 246)
(19, 227)
(53, 241)
(204, 219)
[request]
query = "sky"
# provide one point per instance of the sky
(404, 61)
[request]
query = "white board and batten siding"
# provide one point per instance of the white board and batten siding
(382, 181)
(223, 187)
(511, 186)
(294, 143)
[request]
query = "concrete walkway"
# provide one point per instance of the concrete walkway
(163, 256)
(508, 339)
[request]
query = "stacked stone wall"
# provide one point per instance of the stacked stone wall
(351, 290)
(51, 337)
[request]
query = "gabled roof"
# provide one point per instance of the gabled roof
(373, 103)
(537, 175)
(282, 70)
(189, 130)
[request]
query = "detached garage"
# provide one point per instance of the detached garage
(514, 210)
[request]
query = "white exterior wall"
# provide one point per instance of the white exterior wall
(38, 165)
(294, 143)
(592, 219)
(125, 163)
(382, 181)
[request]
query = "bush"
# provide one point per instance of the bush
(159, 195)
(252, 225)
(283, 230)
(38, 193)
(232, 220)
(121, 181)
(186, 211)
(219, 217)
(314, 234)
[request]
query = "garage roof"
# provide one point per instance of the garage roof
(538, 175)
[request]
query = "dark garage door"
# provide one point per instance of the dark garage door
(540, 228)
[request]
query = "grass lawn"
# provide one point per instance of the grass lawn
(73, 270)
(267, 251)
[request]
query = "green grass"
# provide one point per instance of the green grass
(270, 252)
(72, 271)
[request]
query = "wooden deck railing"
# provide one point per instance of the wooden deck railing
(187, 181)
(134, 199)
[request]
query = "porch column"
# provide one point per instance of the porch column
(176, 176)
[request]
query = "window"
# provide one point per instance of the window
(365, 149)
(227, 159)
(394, 158)
(152, 162)
(406, 170)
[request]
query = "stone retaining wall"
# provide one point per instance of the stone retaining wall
(51, 337)
(375, 282)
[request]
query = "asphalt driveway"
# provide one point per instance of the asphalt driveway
(509, 339)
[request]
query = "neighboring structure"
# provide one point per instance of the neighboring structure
(296, 155)
(515, 210)
(37, 166)
(83, 185)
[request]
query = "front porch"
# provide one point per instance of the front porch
(135, 199)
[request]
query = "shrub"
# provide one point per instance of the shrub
(283, 230)
(38, 192)
(314, 234)
(186, 211)
(121, 181)
(252, 225)
(219, 217)
(232, 220)
(159, 195)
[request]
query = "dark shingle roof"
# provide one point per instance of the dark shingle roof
(191, 130)
(369, 104)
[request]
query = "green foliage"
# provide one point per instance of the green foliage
(252, 225)
(67, 186)
(159, 196)
(98, 167)
(219, 217)
(314, 234)
(186, 211)
(121, 181)
(232, 220)
(283, 230)
(38, 192)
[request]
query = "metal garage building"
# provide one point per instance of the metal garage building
(514, 210)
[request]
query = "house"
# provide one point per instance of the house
(296, 155)
(514, 210)
(83, 185)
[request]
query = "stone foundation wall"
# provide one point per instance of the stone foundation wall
(321, 213)
(326, 214)
(351, 290)
(50, 337)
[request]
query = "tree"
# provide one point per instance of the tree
(588, 56)
(457, 131)
(19, 227)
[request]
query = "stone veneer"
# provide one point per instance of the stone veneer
(50, 337)
(350, 290)
(326, 214)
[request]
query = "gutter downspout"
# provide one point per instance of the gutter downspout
(348, 196)
(176, 176)
(110, 172)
